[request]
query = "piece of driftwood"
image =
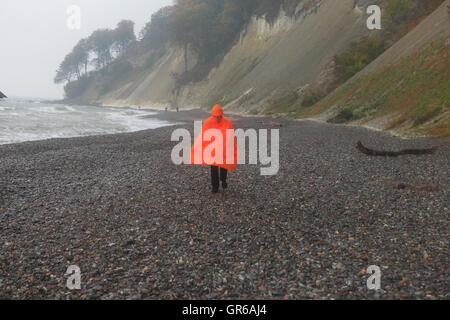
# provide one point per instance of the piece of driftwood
(371, 152)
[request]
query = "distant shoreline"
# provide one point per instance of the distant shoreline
(193, 114)
(183, 115)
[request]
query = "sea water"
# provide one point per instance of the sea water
(29, 120)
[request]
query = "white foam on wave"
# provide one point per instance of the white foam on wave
(132, 121)
(69, 108)
(25, 121)
(46, 109)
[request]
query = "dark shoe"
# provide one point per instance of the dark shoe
(224, 185)
(214, 190)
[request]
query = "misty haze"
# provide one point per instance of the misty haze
(220, 150)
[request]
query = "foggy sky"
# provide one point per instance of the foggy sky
(35, 38)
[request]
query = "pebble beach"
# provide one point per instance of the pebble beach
(140, 227)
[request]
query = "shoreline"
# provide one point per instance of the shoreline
(185, 116)
(172, 117)
(233, 115)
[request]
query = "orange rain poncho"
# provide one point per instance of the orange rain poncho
(204, 142)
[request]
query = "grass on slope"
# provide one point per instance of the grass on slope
(415, 92)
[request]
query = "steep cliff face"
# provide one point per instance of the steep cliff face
(291, 54)
(406, 89)
(269, 60)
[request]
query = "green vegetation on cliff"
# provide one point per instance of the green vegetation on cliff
(401, 16)
(414, 93)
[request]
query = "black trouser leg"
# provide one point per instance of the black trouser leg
(215, 177)
(223, 177)
(215, 171)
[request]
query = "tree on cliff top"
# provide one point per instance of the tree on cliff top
(74, 62)
(190, 25)
(123, 36)
(207, 27)
(155, 33)
(101, 42)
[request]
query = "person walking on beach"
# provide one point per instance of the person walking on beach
(220, 165)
